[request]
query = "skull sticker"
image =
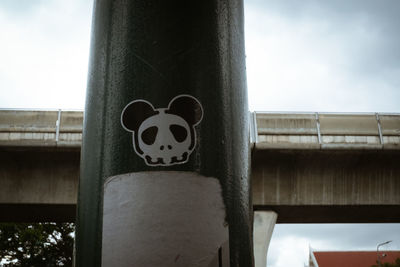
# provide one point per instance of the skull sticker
(163, 136)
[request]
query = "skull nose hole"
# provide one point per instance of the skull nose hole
(161, 147)
(169, 147)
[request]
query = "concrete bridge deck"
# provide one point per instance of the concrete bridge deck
(307, 167)
(327, 167)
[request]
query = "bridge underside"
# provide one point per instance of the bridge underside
(328, 186)
(308, 168)
(335, 213)
(37, 212)
(38, 184)
(311, 186)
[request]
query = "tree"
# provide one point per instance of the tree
(396, 263)
(36, 244)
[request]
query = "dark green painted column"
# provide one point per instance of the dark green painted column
(156, 50)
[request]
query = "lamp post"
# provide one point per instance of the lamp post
(377, 250)
(165, 154)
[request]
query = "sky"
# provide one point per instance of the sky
(290, 242)
(310, 55)
(335, 56)
(340, 56)
(44, 53)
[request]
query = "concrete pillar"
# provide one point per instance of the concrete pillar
(264, 223)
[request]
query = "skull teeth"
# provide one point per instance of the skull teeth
(151, 160)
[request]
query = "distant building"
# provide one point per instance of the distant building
(350, 258)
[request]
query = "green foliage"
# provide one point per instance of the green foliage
(396, 263)
(36, 244)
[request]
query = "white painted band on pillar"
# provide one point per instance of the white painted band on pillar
(162, 219)
(264, 223)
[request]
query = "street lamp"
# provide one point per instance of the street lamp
(377, 250)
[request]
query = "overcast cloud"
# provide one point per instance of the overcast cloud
(301, 55)
(44, 53)
(323, 55)
(290, 242)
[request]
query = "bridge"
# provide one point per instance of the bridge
(320, 168)
(306, 167)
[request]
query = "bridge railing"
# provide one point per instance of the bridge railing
(41, 128)
(270, 130)
(325, 130)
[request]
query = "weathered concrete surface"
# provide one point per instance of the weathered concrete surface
(15, 120)
(328, 186)
(325, 131)
(41, 128)
(344, 175)
(34, 183)
(288, 131)
(311, 167)
(264, 223)
(301, 186)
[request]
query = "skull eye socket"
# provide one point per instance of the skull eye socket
(149, 135)
(179, 132)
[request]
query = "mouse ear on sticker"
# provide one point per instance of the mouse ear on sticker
(135, 113)
(187, 107)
